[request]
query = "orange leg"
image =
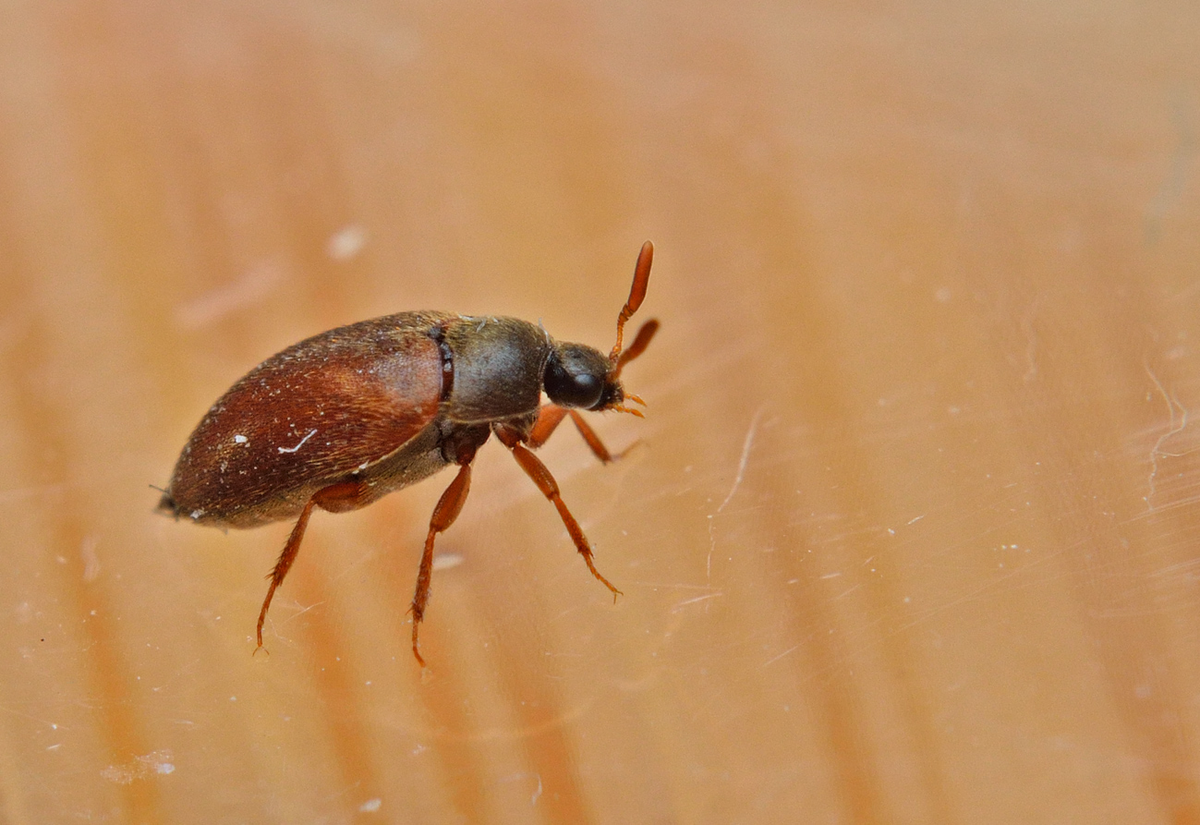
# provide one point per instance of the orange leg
(551, 415)
(335, 498)
(541, 476)
(444, 514)
(284, 564)
(589, 435)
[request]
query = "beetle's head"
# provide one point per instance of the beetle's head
(577, 375)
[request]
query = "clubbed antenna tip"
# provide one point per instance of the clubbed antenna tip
(637, 294)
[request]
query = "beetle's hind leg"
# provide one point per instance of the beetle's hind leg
(336, 498)
(444, 514)
(284, 564)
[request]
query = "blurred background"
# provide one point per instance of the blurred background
(912, 533)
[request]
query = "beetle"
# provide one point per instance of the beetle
(345, 417)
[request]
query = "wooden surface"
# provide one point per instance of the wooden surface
(914, 532)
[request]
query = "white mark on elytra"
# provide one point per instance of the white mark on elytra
(311, 433)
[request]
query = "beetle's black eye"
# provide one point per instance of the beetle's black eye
(575, 375)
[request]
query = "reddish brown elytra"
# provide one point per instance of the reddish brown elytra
(347, 416)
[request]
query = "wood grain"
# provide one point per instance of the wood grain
(912, 532)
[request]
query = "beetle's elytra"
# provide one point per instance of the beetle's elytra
(345, 417)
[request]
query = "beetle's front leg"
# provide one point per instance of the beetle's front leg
(548, 418)
(551, 415)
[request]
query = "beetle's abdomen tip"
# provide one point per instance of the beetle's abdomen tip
(167, 506)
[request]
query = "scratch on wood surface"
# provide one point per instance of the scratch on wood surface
(1173, 429)
(747, 444)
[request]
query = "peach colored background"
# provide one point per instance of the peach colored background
(914, 534)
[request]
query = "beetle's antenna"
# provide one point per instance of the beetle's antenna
(640, 342)
(637, 293)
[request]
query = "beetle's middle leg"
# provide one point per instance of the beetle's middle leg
(444, 514)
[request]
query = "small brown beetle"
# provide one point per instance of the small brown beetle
(347, 416)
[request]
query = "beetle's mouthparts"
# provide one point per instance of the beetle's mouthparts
(630, 410)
